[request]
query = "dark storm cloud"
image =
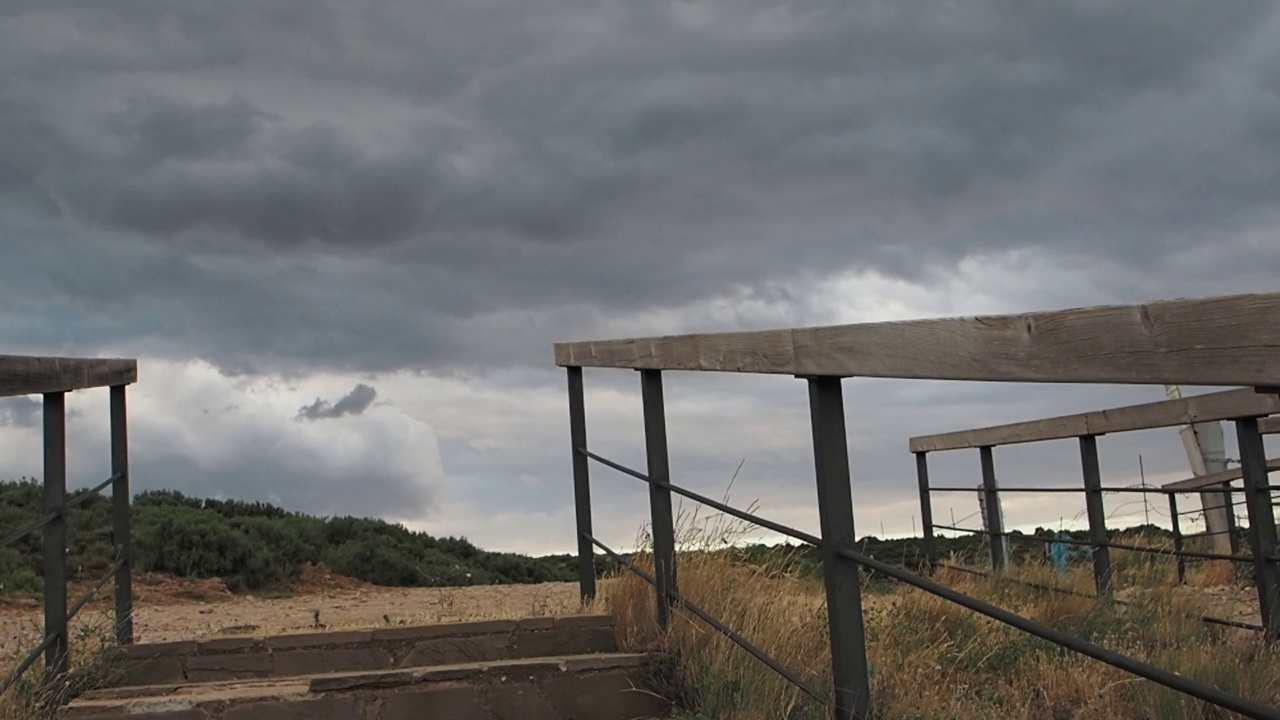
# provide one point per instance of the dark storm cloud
(353, 403)
(487, 178)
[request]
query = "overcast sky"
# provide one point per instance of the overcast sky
(342, 238)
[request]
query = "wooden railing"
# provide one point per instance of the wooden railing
(1221, 341)
(54, 378)
(1248, 408)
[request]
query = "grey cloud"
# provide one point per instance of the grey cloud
(309, 487)
(487, 179)
(450, 188)
(20, 412)
(27, 412)
(168, 130)
(353, 403)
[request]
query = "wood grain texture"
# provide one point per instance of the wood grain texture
(22, 375)
(1229, 340)
(1225, 405)
(1217, 478)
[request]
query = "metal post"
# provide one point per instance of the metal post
(664, 533)
(1233, 531)
(1262, 523)
(1177, 540)
(926, 510)
(1097, 514)
(581, 485)
(121, 530)
(55, 533)
(995, 523)
(843, 582)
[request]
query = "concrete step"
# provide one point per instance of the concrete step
(577, 687)
(255, 657)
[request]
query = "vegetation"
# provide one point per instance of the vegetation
(255, 546)
(933, 659)
(928, 658)
(93, 665)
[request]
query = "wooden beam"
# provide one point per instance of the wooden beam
(1225, 405)
(21, 375)
(1217, 478)
(1229, 340)
(1269, 426)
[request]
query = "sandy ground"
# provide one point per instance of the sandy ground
(169, 609)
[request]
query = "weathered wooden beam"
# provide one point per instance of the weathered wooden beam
(1269, 425)
(1226, 405)
(21, 375)
(1217, 478)
(1229, 340)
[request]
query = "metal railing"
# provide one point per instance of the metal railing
(1257, 499)
(54, 645)
(841, 563)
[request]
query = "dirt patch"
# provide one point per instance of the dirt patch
(168, 608)
(351, 608)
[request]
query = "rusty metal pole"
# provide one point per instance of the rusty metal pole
(121, 523)
(664, 533)
(995, 523)
(581, 485)
(842, 576)
(55, 533)
(1262, 523)
(1097, 514)
(926, 510)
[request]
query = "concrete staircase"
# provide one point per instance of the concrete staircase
(565, 668)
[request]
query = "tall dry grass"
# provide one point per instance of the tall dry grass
(930, 658)
(93, 665)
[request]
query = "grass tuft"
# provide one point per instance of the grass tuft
(93, 665)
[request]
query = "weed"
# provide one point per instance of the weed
(94, 664)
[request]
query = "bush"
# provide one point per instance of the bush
(255, 546)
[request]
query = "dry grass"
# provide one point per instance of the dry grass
(933, 659)
(33, 697)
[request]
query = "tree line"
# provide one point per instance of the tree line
(254, 545)
(257, 546)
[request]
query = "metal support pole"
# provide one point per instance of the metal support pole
(995, 523)
(926, 510)
(121, 530)
(664, 533)
(1177, 540)
(1097, 514)
(842, 577)
(1233, 530)
(1262, 523)
(55, 533)
(581, 485)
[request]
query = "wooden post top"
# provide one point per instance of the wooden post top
(23, 375)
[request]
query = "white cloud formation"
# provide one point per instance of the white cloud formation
(198, 431)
